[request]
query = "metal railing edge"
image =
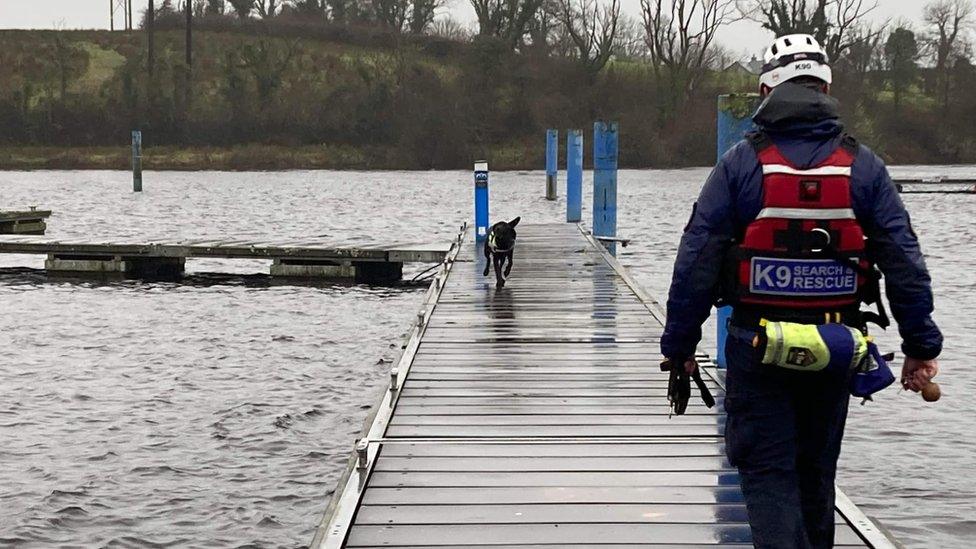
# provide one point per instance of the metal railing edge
(339, 514)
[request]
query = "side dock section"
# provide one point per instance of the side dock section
(535, 416)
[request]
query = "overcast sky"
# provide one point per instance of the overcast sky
(741, 38)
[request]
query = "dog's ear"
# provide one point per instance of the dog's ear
(514, 222)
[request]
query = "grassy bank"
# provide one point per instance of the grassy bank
(242, 158)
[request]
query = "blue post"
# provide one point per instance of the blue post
(481, 199)
(552, 163)
(734, 121)
(136, 161)
(574, 176)
(605, 181)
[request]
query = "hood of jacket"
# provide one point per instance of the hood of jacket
(804, 123)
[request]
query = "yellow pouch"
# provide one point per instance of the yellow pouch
(813, 348)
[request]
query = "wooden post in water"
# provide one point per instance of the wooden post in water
(136, 161)
(734, 121)
(481, 199)
(552, 163)
(605, 136)
(574, 176)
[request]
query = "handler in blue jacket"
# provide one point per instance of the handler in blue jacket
(785, 427)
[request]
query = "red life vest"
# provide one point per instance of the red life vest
(800, 251)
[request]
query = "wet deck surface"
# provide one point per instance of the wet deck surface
(535, 416)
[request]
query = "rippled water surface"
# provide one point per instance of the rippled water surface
(219, 413)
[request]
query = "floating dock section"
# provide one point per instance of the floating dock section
(937, 185)
(535, 416)
(25, 222)
(162, 259)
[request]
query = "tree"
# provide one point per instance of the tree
(506, 20)
(267, 63)
(391, 14)
(832, 22)
(216, 7)
(267, 8)
(592, 30)
(422, 14)
(947, 21)
(680, 36)
(630, 38)
(901, 54)
(242, 8)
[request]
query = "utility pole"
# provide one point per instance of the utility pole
(111, 15)
(129, 10)
(188, 90)
(189, 34)
(150, 24)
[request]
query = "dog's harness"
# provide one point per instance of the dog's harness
(494, 247)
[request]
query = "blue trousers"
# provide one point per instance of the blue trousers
(783, 433)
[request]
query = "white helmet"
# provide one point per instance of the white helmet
(792, 56)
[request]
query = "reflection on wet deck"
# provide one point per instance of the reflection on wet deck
(535, 416)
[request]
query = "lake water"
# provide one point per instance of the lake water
(220, 412)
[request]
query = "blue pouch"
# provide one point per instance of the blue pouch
(872, 375)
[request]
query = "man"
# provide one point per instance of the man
(799, 190)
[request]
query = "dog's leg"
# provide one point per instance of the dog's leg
(510, 256)
(487, 259)
(499, 278)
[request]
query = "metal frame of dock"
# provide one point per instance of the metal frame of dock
(535, 416)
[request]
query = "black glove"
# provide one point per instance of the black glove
(679, 386)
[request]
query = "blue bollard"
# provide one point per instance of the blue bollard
(605, 181)
(574, 176)
(734, 121)
(552, 163)
(481, 199)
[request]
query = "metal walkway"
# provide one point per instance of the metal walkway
(535, 416)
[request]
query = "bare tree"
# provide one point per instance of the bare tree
(592, 30)
(446, 27)
(507, 20)
(216, 7)
(948, 21)
(680, 37)
(832, 22)
(423, 13)
(242, 8)
(267, 8)
(865, 52)
(391, 14)
(630, 38)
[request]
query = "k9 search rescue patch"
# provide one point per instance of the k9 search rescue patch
(801, 277)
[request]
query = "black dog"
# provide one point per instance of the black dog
(499, 246)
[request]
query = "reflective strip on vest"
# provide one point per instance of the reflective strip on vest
(775, 169)
(806, 213)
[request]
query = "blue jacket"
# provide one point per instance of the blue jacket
(804, 124)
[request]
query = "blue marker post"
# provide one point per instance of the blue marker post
(481, 199)
(605, 181)
(552, 163)
(574, 176)
(734, 121)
